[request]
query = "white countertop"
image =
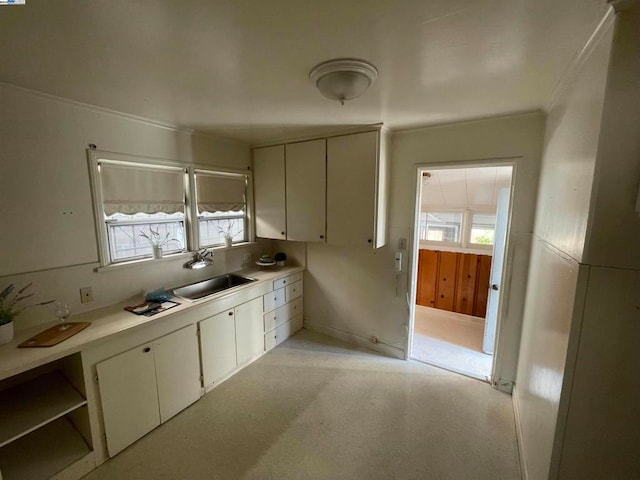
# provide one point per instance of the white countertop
(109, 321)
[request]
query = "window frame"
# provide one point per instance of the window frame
(248, 224)
(95, 156)
(465, 231)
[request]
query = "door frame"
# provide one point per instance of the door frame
(415, 247)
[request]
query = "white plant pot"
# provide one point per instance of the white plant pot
(228, 241)
(157, 251)
(6, 333)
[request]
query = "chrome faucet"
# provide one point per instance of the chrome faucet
(201, 258)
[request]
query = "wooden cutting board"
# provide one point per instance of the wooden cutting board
(53, 336)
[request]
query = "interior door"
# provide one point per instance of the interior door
(177, 371)
(306, 174)
(129, 396)
(497, 262)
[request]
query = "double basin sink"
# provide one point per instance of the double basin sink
(195, 291)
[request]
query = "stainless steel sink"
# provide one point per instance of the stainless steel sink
(213, 285)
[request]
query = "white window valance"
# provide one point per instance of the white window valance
(137, 189)
(220, 193)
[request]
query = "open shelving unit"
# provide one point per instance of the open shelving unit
(37, 436)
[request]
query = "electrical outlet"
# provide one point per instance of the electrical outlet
(86, 295)
(402, 244)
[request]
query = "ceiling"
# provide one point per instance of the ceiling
(239, 68)
(462, 188)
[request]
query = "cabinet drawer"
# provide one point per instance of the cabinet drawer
(283, 282)
(293, 291)
(281, 333)
(282, 314)
(274, 300)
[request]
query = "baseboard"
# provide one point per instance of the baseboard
(388, 350)
(519, 436)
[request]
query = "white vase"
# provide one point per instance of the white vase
(228, 241)
(157, 251)
(6, 333)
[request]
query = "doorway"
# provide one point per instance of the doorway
(462, 220)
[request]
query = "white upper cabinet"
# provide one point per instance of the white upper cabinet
(306, 169)
(355, 190)
(329, 190)
(269, 192)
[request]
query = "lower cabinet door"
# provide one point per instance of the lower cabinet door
(249, 330)
(177, 371)
(218, 346)
(129, 396)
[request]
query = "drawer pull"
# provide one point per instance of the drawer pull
(284, 281)
(146, 349)
(230, 313)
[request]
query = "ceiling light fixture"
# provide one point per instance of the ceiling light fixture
(343, 78)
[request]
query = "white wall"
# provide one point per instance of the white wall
(555, 280)
(600, 436)
(354, 290)
(44, 177)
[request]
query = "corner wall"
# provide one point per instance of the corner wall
(355, 292)
(556, 285)
(47, 205)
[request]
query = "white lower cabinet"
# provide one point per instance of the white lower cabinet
(147, 385)
(283, 310)
(231, 339)
(249, 344)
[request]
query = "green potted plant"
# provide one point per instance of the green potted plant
(10, 308)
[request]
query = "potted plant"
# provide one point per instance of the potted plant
(10, 308)
(157, 241)
(227, 233)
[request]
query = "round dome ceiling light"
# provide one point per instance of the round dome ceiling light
(343, 78)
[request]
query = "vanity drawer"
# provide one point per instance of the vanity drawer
(273, 300)
(282, 314)
(283, 282)
(293, 291)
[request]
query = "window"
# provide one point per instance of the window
(221, 207)
(142, 205)
(140, 201)
(483, 228)
(441, 226)
(461, 229)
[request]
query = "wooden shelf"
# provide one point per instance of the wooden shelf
(30, 405)
(44, 452)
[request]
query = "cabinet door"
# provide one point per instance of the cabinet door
(447, 270)
(269, 192)
(177, 371)
(129, 396)
(306, 179)
(466, 283)
(249, 331)
(218, 346)
(427, 277)
(352, 162)
(482, 286)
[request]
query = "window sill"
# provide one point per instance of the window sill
(143, 261)
(168, 258)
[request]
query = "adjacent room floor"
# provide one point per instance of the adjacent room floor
(451, 340)
(317, 408)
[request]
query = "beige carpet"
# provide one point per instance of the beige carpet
(317, 408)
